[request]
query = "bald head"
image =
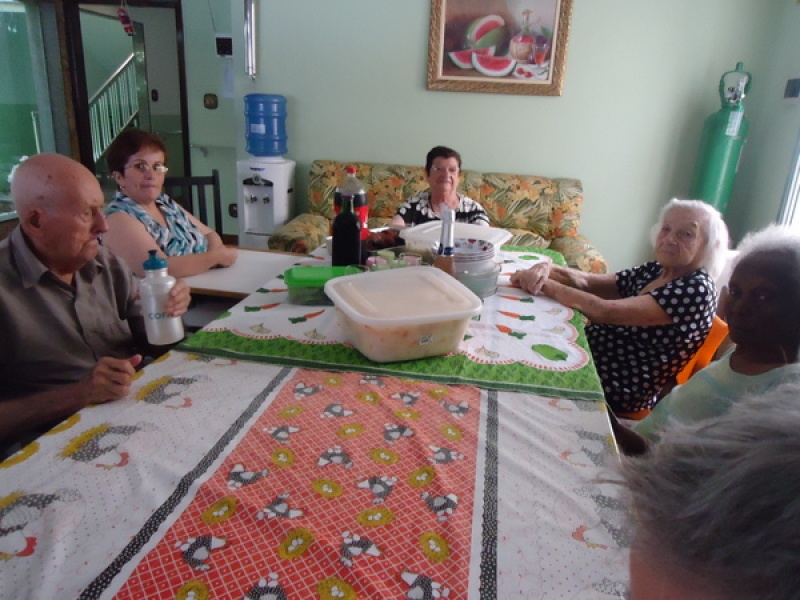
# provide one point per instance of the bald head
(50, 181)
(60, 207)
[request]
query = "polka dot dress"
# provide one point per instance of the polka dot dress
(634, 363)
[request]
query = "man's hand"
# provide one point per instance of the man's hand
(110, 379)
(179, 298)
(532, 280)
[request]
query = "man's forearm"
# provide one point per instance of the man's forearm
(21, 415)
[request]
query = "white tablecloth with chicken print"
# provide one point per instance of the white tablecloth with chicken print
(225, 479)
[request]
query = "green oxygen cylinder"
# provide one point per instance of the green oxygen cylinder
(722, 140)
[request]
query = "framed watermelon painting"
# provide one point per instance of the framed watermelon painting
(498, 46)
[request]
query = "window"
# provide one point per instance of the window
(18, 110)
(790, 211)
(25, 106)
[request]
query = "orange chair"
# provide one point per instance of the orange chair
(718, 332)
(700, 360)
(634, 416)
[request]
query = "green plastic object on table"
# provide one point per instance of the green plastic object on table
(306, 284)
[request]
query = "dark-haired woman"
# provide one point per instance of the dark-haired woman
(141, 217)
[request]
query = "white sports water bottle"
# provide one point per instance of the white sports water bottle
(161, 328)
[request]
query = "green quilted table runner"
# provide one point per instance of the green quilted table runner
(518, 342)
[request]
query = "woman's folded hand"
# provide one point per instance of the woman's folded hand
(532, 280)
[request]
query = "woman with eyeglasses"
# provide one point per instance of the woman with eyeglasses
(442, 172)
(141, 217)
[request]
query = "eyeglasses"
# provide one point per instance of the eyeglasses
(144, 168)
(451, 170)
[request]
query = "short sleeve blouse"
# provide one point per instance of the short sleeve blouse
(709, 393)
(179, 238)
(635, 362)
(418, 209)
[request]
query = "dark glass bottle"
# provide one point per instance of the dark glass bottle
(351, 187)
(346, 236)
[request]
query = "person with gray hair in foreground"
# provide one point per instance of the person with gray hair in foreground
(716, 506)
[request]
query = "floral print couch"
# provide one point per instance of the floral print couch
(539, 212)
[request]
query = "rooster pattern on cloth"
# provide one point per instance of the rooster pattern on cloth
(339, 488)
(275, 483)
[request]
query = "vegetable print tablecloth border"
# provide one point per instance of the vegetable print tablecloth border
(518, 342)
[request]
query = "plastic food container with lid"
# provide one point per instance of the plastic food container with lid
(403, 314)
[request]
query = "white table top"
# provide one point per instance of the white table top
(251, 270)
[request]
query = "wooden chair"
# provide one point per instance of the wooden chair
(185, 190)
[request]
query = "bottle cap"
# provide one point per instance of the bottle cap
(154, 262)
(351, 170)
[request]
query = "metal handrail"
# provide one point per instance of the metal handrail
(113, 107)
(112, 77)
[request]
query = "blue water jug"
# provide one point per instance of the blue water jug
(265, 116)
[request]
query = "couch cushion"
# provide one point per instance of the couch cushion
(582, 255)
(302, 234)
(547, 207)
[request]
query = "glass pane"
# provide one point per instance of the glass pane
(790, 211)
(18, 100)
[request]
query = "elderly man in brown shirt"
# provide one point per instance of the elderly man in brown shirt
(69, 309)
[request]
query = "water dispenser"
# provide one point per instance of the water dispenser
(266, 179)
(266, 197)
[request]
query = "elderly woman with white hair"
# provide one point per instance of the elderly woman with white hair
(715, 506)
(764, 324)
(646, 322)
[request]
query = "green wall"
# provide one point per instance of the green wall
(17, 96)
(774, 130)
(105, 48)
(212, 132)
(641, 77)
(16, 140)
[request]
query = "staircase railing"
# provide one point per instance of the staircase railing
(113, 107)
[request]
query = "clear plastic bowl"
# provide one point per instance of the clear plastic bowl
(481, 281)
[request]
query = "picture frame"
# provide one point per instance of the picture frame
(498, 46)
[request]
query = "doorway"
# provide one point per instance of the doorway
(156, 48)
